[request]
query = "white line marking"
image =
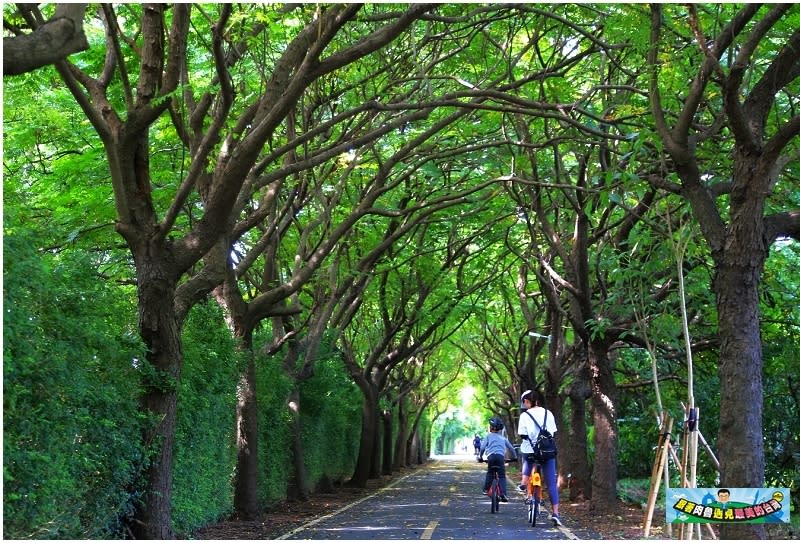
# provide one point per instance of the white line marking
(428, 532)
(307, 525)
(567, 533)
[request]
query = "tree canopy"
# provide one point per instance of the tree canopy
(593, 200)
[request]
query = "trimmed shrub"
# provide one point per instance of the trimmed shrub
(205, 441)
(274, 431)
(71, 436)
(330, 411)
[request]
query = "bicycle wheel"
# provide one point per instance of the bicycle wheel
(536, 494)
(530, 511)
(495, 493)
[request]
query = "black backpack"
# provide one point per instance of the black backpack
(545, 446)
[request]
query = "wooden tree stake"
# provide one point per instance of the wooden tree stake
(658, 469)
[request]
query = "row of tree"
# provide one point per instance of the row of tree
(72, 452)
(411, 189)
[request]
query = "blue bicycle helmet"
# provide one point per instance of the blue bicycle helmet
(496, 424)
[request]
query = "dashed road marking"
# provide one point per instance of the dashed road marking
(428, 532)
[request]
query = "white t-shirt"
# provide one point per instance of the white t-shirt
(527, 426)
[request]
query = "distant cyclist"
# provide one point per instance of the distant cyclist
(477, 444)
(495, 446)
(532, 418)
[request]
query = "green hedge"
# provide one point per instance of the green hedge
(72, 432)
(205, 441)
(330, 412)
(274, 445)
(71, 438)
(330, 407)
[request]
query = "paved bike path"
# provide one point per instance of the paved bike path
(440, 501)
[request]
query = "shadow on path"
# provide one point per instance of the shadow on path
(441, 501)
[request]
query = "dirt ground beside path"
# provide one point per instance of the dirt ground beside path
(625, 523)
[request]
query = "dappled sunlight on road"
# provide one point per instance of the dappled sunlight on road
(442, 500)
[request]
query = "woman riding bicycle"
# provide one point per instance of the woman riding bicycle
(533, 417)
(495, 446)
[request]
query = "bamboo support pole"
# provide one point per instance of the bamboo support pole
(684, 472)
(668, 527)
(707, 447)
(677, 460)
(685, 458)
(693, 453)
(658, 469)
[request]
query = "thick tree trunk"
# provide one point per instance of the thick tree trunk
(579, 483)
(409, 444)
(153, 518)
(414, 443)
(417, 452)
(577, 454)
(369, 428)
(245, 499)
(604, 402)
(424, 447)
(741, 391)
(387, 443)
(161, 333)
(377, 445)
(401, 443)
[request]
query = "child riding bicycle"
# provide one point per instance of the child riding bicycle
(534, 418)
(495, 446)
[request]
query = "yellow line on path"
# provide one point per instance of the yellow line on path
(428, 532)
